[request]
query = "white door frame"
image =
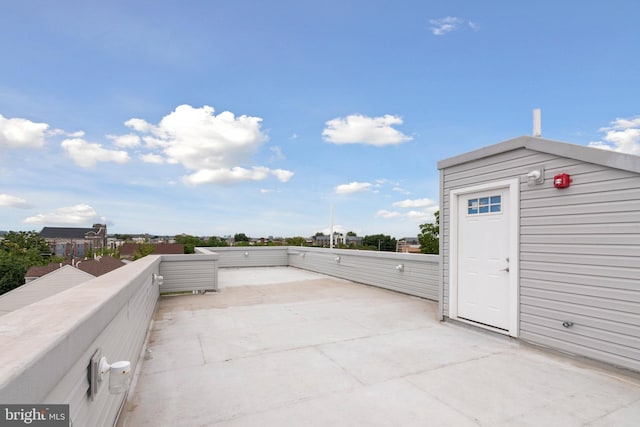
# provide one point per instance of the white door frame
(514, 260)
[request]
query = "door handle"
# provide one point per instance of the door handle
(505, 269)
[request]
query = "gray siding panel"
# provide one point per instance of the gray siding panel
(616, 262)
(419, 276)
(564, 207)
(251, 256)
(182, 273)
(582, 279)
(561, 247)
(621, 240)
(579, 250)
(582, 288)
(539, 335)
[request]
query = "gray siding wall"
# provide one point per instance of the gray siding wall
(111, 312)
(579, 250)
(189, 272)
(418, 277)
(249, 256)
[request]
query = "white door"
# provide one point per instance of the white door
(484, 267)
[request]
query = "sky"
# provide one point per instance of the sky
(224, 117)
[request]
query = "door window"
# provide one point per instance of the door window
(484, 205)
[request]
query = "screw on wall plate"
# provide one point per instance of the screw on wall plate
(567, 324)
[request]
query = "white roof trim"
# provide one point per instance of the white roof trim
(628, 162)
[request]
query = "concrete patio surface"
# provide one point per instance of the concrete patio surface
(280, 346)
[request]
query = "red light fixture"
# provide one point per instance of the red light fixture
(562, 180)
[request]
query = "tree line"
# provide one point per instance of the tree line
(20, 250)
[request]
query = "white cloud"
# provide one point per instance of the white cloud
(401, 190)
(151, 142)
(421, 216)
(415, 203)
(198, 139)
(383, 213)
(359, 129)
(18, 133)
(277, 154)
(623, 135)
(13, 201)
(58, 132)
(79, 215)
(235, 174)
(139, 125)
(125, 141)
(424, 213)
(352, 187)
(86, 154)
(267, 191)
(152, 158)
(442, 26)
(213, 146)
(282, 174)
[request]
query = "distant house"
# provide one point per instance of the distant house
(75, 242)
(339, 238)
(408, 245)
(50, 283)
(99, 265)
(128, 250)
(36, 272)
(95, 266)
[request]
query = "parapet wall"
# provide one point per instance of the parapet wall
(413, 274)
(47, 347)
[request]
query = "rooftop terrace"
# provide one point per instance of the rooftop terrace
(296, 336)
(280, 346)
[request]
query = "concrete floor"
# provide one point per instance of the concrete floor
(286, 347)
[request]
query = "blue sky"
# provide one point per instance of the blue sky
(216, 118)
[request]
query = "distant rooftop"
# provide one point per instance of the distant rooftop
(128, 249)
(53, 282)
(68, 232)
(94, 266)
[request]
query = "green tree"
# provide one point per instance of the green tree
(12, 271)
(143, 250)
(189, 242)
(379, 242)
(21, 241)
(215, 241)
(19, 251)
(296, 241)
(429, 236)
(240, 237)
